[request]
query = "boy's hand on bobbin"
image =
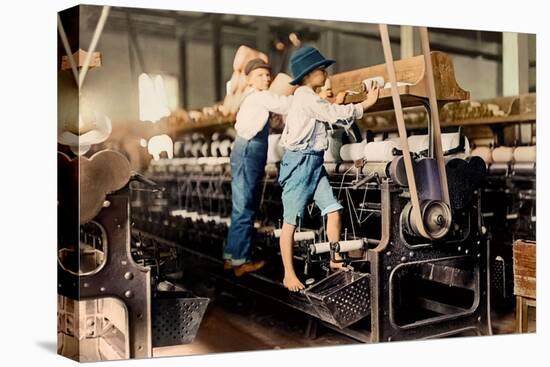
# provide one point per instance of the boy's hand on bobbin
(340, 97)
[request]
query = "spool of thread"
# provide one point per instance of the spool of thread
(330, 167)
(205, 149)
(524, 168)
(525, 154)
(395, 139)
(347, 167)
(195, 149)
(503, 155)
(225, 148)
(375, 81)
(450, 141)
(274, 150)
(418, 143)
(484, 153)
(298, 236)
(214, 148)
(187, 146)
(380, 168)
(179, 147)
(499, 168)
(304, 236)
(352, 152)
(380, 151)
(344, 246)
(319, 248)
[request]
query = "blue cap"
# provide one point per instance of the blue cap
(304, 60)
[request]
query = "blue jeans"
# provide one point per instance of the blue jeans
(304, 179)
(248, 159)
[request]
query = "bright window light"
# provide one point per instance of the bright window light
(155, 99)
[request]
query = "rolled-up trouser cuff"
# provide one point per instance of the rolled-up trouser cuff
(226, 256)
(331, 208)
(237, 262)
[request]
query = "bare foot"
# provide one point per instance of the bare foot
(292, 283)
(338, 266)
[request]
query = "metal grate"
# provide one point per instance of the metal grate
(342, 298)
(176, 320)
(498, 277)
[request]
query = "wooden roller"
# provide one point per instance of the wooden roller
(484, 153)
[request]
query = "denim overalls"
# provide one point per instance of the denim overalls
(248, 159)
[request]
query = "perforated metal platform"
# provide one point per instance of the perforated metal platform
(342, 298)
(176, 318)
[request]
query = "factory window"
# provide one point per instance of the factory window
(158, 96)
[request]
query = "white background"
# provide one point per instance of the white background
(28, 182)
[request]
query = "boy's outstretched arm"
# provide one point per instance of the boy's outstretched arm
(332, 113)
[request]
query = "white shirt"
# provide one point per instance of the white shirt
(307, 116)
(254, 111)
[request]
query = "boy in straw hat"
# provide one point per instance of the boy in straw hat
(302, 174)
(248, 159)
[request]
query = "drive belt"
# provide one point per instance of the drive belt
(434, 120)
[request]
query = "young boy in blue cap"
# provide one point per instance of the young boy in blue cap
(302, 174)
